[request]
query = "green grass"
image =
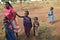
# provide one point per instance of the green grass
(44, 33)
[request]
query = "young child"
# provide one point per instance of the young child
(9, 34)
(27, 23)
(51, 15)
(35, 26)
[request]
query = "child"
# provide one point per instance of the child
(35, 26)
(51, 15)
(9, 34)
(27, 23)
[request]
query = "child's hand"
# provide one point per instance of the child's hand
(10, 26)
(2, 28)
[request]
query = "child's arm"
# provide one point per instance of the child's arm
(15, 14)
(33, 25)
(34, 28)
(38, 24)
(31, 22)
(19, 16)
(2, 28)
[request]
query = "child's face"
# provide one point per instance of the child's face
(25, 14)
(35, 19)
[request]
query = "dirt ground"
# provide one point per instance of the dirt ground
(41, 11)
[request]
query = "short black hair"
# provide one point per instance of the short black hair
(36, 18)
(51, 8)
(27, 12)
(9, 4)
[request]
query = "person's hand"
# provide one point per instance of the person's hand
(10, 26)
(12, 19)
(2, 28)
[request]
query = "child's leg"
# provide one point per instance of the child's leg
(17, 36)
(28, 31)
(34, 31)
(28, 34)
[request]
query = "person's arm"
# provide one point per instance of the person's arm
(33, 25)
(38, 24)
(19, 16)
(31, 22)
(3, 24)
(14, 15)
(2, 28)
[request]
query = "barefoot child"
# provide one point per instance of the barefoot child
(35, 26)
(51, 15)
(9, 34)
(27, 23)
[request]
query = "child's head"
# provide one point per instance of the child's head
(51, 8)
(26, 13)
(35, 18)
